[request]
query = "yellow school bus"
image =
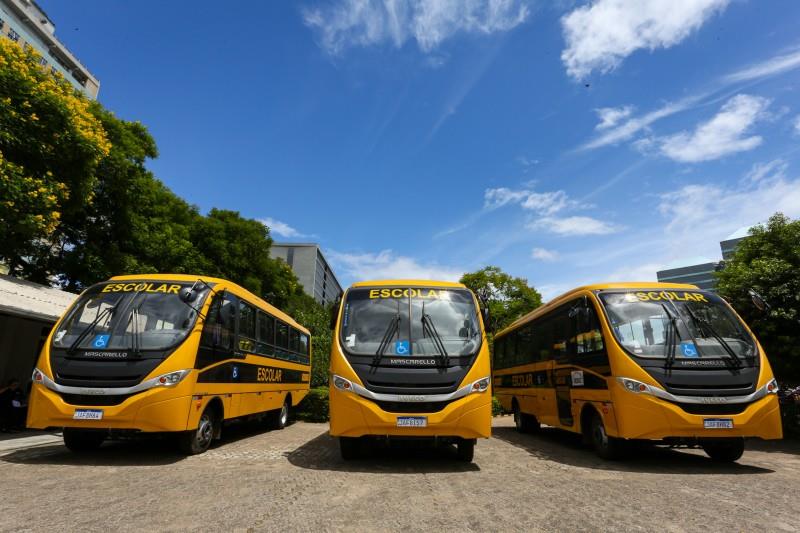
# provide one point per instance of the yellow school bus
(167, 353)
(409, 359)
(658, 362)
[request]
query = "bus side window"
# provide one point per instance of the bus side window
(282, 340)
(589, 338)
(247, 328)
(219, 327)
(562, 326)
(266, 334)
(304, 357)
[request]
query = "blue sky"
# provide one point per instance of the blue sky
(566, 142)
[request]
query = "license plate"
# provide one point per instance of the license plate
(718, 423)
(88, 414)
(412, 421)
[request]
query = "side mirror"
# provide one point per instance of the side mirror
(486, 316)
(758, 301)
(188, 294)
(335, 312)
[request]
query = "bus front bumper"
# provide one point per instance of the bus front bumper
(154, 410)
(469, 417)
(652, 418)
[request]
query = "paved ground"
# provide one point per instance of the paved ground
(294, 480)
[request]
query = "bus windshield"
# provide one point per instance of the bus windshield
(410, 322)
(128, 316)
(681, 324)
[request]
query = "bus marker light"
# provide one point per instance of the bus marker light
(37, 375)
(772, 387)
(342, 384)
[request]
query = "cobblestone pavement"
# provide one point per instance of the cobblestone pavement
(294, 480)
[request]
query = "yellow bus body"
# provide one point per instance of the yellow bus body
(178, 408)
(352, 415)
(627, 415)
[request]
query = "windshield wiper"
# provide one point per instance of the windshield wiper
(135, 334)
(703, 324)
(391, 329)
(670, 338)
(429, 328)
(89, 329)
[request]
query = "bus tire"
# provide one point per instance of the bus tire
(349, 447)
(524, 423)
(724, 451)
(605, 447)
(83, 440)
(197, 441)
(280, 417)
(466, 450)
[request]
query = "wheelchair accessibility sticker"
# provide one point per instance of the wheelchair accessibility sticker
(688, 349)
(235, 372)
(100, 341)
(402, 348)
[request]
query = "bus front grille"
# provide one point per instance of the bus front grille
(713, 409)
(94, 399)
(412, 407)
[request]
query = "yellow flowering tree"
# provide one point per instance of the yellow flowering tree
(50, 146)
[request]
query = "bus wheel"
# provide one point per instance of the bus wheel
(524, 423)
(349, 447)
(606, 447)
(279, 418)
(196, 441)
(724, 451)
(83, 440)
(466, 450)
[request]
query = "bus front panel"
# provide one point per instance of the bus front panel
(685, 366)
(410, 361)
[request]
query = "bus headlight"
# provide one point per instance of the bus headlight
(771, 387)
(342, 384)
(171, 379)
(481, 385)
(635, 386)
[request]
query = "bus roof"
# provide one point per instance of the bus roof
(408, 283)
(555, 302)
(236, 289)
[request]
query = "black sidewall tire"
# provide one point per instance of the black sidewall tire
(466, 450)
(191, 442)
(727, 451)
(83, 441)
(605, 447)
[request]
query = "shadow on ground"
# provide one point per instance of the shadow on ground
(567, 448)
(398, 457)
(145, 450)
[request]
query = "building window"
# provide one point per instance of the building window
(53, 71)
(14, 36)
(1, 24)
(42, 61)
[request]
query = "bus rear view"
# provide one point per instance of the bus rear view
(410, 360)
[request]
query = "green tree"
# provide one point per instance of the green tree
(50, 147)
(135, 223)
(506, 297)
(316, 318)
(768, 261)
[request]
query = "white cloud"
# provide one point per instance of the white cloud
(611, 116)
(600, 35)
(494, 198)
(542, 203)
(276, 227)
(351, 23)
(770, 67)
(388, 265)
(641, 272)
(797, 124)
(632, 126)
(720, 136)
(542, 254)
(700, 215)
(775, 169)
(573, 226)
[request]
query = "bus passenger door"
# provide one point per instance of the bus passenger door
(547, 412)
(564, 396)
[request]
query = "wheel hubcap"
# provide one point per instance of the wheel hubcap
(600, 434)
(284, 414)
(206, 431)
